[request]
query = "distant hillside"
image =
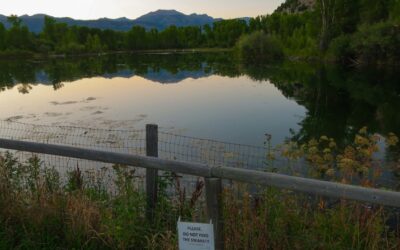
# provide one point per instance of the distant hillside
(159, 19)
(162, 19)
(295, 6)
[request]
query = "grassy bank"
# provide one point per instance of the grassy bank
(40, 210)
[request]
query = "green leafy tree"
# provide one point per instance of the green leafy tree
(227, 32)
(18, 36)
(259, 47)
(2, 37)
(136, 38)
(169, 38)
(328, 18)
(14, 21)
(209, 40)
(93, 44)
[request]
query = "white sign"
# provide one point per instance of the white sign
(195, 236)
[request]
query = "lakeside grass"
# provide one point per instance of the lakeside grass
(40, 211)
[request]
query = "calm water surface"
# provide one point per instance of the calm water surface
(202, 95)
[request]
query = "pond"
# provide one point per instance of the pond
(206, 95)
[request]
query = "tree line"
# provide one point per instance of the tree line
(347, 31)
(63, 39)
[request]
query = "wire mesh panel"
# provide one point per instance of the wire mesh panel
(248, 210)
(122, 141)
(211, 152)
(171, 146)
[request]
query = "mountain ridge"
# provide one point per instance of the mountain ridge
(159, 19)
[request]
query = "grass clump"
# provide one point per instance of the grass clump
(37, 211)
(284, 220)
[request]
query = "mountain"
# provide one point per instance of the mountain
(162, 19)
(159, 19)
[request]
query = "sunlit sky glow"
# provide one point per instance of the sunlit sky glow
(93, 9)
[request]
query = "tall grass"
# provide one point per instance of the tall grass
(40, 211)
(284, 220)
(37, 211)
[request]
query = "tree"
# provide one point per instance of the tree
(209, 35)
(2, 37)
(152, 38)
(374, 11)
(327, 11)
(227, 32)
(259, 47)
(14, 21)
(169, 38)
(18, 37)
(136, 38)
(93, 44)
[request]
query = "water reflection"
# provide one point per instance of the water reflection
(338, 101)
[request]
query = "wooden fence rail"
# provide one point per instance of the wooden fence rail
(212, 175)
(312, 186)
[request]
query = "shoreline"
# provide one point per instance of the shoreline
(7, 55)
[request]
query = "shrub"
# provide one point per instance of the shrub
(259, 47)
(340, 49)
(371, 44)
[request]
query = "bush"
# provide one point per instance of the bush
(378, 43)
(340, 49)
(371, 44)
(39, 211)
(259, 47)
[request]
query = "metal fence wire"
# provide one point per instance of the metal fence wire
(170, 146)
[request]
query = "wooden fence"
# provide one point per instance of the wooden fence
(212, 175)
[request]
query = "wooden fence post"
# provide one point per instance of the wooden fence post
(214, 209)
(151, 174)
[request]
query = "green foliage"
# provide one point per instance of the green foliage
(2, 37)
(259, 47)
(18, 37)
(297, 33)
(377, 43)
(15, 21)
(93, 44)
(331, 28)
(37, 211)
(59, 38)
(340, 49)
(355, 162)
(337, 27)
(227, 32)
(279, 219)
(394, 10)
(371, 44)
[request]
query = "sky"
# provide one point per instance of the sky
(93, 9)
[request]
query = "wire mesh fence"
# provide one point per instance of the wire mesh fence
(171, 146)
(181, 188)
(184, 196)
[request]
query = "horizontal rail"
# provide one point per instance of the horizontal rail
(324, 188)
(108, 157)
(312, 186)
